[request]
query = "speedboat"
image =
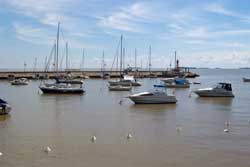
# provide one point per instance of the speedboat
(21, 81)
(120, 88)
(246, 79)
(152, 98)
(220, 90)
(4, 107)
(59, 88)
(126, 81)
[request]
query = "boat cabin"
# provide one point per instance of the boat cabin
(226, 86)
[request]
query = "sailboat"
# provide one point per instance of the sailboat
(125, 80)
(59, 87)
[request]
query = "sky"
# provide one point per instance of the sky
(208, 33)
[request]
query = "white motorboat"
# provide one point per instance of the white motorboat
(120, 88)
(220, 90)
(152, 98)
(246, 79)
(20, 81)
(4, 107)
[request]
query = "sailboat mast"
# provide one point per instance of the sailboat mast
(149, 64)
(83, 58)
(57, 47)
(121, 56)
(67, 58)
(135, 58)
(175, 59)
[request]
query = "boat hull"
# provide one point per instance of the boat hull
(177, 85)
(116, 83)
(214, 94)
(153, 100)
(119, 88)
(61, 91)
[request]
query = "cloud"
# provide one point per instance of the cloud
(127, 18)
(33, 34)
(218, 8)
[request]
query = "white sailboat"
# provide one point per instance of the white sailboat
(125, 80)
(59, 87)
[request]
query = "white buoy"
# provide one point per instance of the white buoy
(226, 130)
(1, 154)
(48, 149)
(129, 136)
(93, 138)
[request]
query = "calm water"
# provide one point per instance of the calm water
(66, 124)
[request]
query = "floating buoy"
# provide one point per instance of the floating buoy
(226, 130)
(48, 149)
(1, 154)
(129, 136)
(93, 138)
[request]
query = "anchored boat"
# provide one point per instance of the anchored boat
(220, 90)
(152, 98)
(20, 81)
(59, 88)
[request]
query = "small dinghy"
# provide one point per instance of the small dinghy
(220, 90)
(4, 107)
(152, 98)
(21, 81)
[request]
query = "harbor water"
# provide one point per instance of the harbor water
(189, 133)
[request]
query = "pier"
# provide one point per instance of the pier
(75, 74)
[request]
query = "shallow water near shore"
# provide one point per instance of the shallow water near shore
(66, 124)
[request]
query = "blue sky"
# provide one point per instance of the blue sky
(204, 33)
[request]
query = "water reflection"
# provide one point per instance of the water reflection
(4, 117)
(215, 101)
(152, 107)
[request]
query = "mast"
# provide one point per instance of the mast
(175, 59)
(83, 58)
(149, 64)
(135, 57)
(57, 47)
(67, 58)
(121, 56)
(103, 63)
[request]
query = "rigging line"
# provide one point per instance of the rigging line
(116, 54)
